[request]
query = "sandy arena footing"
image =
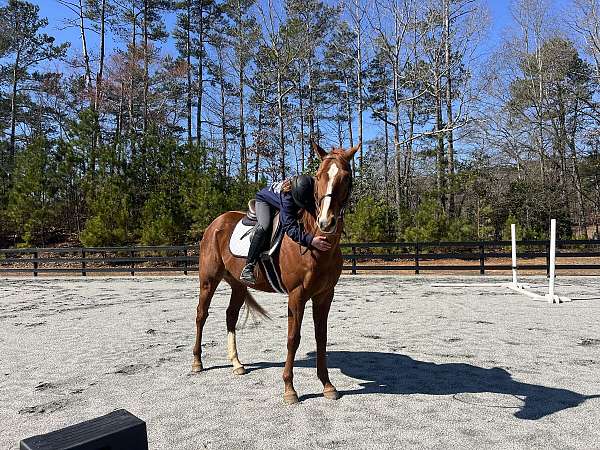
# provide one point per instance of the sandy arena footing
(417, 366)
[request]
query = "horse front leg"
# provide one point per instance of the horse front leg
(321, 306)
(296, 304)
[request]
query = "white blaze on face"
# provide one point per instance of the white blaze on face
(331, 173)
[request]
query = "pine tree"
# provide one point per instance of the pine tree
(30, 200)
(243, 34)
(24, 46)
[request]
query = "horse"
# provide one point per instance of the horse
(305, 273)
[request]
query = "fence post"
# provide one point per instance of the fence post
(417, 252)
(481, 259)
(83, 272)
(185, 261)
(132, 255)
(353, 260)
(35, 264)
(547, 260)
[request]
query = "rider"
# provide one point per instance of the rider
(288, 196)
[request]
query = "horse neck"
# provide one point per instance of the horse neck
(310, 224)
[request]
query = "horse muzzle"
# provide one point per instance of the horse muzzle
(328, 226)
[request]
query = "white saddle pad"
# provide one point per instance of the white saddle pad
(239, 243)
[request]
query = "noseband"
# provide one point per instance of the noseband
(319, 201)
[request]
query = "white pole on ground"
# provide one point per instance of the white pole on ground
(513, 237)
(552, 260)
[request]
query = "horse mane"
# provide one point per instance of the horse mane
(309, 220)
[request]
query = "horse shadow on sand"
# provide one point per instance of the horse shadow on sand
(392, 373)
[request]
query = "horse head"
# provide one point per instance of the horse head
(333, 185)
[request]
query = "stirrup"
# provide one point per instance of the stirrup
(247, 275)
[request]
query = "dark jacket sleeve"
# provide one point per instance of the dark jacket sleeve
(288, 214)
(288, 217)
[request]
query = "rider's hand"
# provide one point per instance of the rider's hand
(320, 243)
(287, 186)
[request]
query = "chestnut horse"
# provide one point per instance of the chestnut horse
(305, 273)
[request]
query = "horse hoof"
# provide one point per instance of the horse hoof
(197, 367)
(239, 370)
(331, 394)
(290, 398)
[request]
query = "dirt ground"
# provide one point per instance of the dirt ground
(417, 366)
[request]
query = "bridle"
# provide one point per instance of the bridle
(319, 201)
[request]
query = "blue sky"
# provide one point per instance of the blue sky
(499, 11)
(56, 14)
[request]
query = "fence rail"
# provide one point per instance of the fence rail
(359, 257)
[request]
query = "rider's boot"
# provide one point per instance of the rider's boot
(256, 246)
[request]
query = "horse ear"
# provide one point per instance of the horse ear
(350, 153)
(318, 149)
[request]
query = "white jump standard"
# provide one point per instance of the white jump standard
(514, 285)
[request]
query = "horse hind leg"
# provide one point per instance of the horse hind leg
(238, 296)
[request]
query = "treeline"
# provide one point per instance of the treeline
(164, 114)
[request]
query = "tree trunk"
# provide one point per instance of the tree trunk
(359, 86)
(311, 104)
(133, 65)
(99, 77)
(280, 119)
(349, 113)
(223, 117)
(449, 112)
(146, 70)
(241, 70)
(86, 56)
(582, 220)
(397, 153)
(100, 74)
(562, 139)
(409, 149)
(119, 129)
(301, 106)
(338, 123)
(258, 141)
(188, 69)
(440, 162)
(199, 105)
(386, 140)
(13, 108)
(243, 149)
(200, 75)
(541, 115)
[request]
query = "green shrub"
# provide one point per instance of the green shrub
(108, 223)
(160, 224)
(368, 222)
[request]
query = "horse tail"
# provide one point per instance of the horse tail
(253, 308)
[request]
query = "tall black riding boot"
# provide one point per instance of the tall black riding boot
(256, 247)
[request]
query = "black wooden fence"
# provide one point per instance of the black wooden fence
(474, 256)
(374, 256)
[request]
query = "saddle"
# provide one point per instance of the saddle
(239, 244)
